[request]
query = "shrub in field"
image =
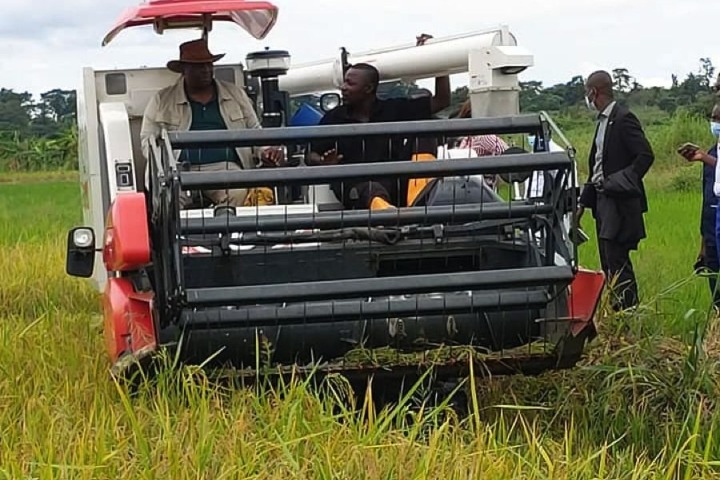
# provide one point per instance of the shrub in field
(24, 153)
(683, 127)
(686, 179)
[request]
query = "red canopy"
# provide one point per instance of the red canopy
(257, 18)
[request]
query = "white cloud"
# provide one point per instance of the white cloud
(48, 43)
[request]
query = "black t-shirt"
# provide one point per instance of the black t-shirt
(378, 148)
(374, 149)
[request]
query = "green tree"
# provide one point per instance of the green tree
(622, 80)
(15, 111)
(707, 71)
(60, 105)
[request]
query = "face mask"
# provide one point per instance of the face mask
(715, 129)
(590, 104)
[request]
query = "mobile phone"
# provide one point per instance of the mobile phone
(688, 147)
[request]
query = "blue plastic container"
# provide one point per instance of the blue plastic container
(306, 116)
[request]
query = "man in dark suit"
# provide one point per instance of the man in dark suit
(619, 159)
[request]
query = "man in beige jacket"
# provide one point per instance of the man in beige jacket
(198, 101)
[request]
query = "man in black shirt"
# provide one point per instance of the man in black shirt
(361, 105)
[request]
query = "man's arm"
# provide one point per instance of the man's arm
(588, 193)
(251, 119)
(637, 144)
(441, 99)
(330, 157)
(323, 152)
(149, 127)
(149, 130)
(692, 155)
(705, 158)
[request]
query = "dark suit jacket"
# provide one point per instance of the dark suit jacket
(618, 204)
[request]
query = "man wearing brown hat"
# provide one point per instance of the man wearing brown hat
(198, 101)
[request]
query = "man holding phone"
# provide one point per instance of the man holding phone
(708, 256)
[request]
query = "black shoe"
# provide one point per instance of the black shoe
(224, 211)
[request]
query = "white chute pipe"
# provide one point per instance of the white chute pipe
(441, 56)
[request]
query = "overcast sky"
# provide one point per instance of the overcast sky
(45, 45)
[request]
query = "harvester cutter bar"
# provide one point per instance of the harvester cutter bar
(347, 310)
(378, 286)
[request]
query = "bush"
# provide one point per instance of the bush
(29, 154)
(683, 127)
(687, 179)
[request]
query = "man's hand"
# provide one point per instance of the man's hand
(599, 186)
(422, 38)
(700, 156)
(331, 157)
(273, 157)
(442, 97)
(578, 215)
(693, 155)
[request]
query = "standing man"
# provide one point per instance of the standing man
(619, 159)
(198, 101)
(708, 256)
(361, 105)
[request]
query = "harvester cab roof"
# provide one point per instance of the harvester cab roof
(460, 267)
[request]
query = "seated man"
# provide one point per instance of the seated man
(361, 105)
(198, 101)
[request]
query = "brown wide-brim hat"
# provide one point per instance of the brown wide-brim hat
(194, 51)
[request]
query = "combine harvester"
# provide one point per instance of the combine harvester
(303, 284)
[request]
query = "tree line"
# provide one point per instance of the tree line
(41, 133)
(692, 93)
(47, 116)
(38, 134)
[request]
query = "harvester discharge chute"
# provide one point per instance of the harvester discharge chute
(459, 270)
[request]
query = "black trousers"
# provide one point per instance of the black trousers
(616, 264)
(358, 196)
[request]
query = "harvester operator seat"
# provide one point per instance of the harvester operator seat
(444, 191)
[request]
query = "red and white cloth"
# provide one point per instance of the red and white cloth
(483, 146)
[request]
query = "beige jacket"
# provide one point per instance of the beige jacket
(169, 108)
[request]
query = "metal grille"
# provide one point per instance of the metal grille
(462, 266)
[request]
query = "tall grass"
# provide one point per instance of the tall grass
(34, 218)
(635, 411)
(643, 404)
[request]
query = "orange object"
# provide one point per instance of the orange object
(416, 185)
(127, 237)
(380, 204)
(584, 295)
(128, 321)
(259, 196)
